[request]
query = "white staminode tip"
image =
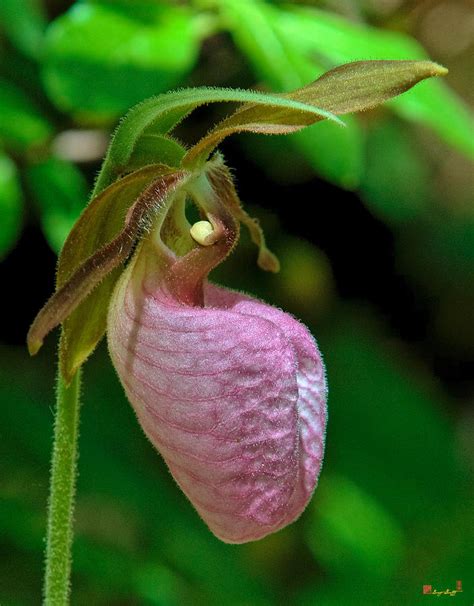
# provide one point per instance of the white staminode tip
(199, 232)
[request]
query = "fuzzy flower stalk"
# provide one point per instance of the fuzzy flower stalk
(230, 391)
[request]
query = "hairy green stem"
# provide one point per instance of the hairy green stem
(62, 492)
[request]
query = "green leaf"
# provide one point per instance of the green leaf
(100, 241)
(438, 107)
(351, 87)
(21, 125)
(271, 53)
(330, 37)
(23, 21)
(11, 205)
(60, 191)
(336, 154)
(101, 59)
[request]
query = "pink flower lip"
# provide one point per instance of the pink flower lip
(231, 391)
(232, 394)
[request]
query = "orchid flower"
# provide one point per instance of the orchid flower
(231, 391)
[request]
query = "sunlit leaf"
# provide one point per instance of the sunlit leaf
(101, 59)
(21, 125)
(60, 191)
(351, 87)
(270, 52)
(330, 37)
(335, 153)
(11, 205)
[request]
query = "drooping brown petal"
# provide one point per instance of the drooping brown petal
(221, 181)
(84, 316)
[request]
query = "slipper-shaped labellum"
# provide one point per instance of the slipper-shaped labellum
(230, 390)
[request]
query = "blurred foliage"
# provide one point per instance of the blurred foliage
(21, 125)
(59, 190)
(392, 511)
(100, 59)
(11, 204)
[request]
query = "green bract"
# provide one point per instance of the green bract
(145, 166)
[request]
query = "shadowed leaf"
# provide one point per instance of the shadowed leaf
(154, 148)
(60, 192)
(21, 124)
(11, 205)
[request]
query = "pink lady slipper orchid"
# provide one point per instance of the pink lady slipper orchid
(231, 391)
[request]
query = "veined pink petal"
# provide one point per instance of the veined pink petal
(233, 395)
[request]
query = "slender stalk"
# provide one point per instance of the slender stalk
(62, 492)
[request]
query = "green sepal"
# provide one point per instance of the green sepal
(89, 264)
(162, 113)
(349, 88)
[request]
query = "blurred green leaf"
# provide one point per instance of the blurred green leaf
(392, 430)
(21, 125)
(336, 154)
(437, 106)
(60, 191)
(305, 282)
(101, 59)
(272, 54)
(440, 252)
(23, 21)
(11, 205)
(323, 36)
(396, 183)
(352, 533)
